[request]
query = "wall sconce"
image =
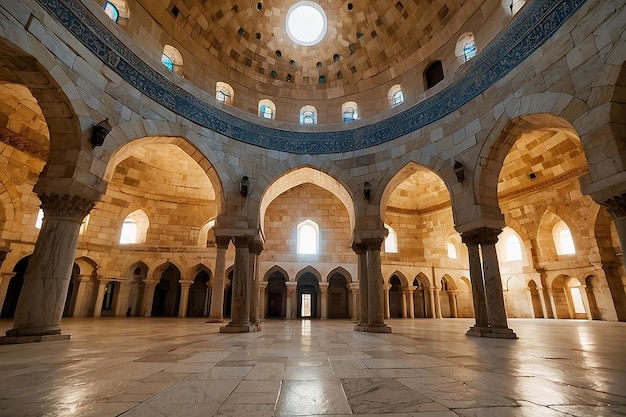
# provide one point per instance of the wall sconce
(99, 132)
(458, 170)
(367, 190)
(244, 186)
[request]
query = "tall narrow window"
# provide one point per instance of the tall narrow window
(129, 232)
(39, 220)
(451, 248)
(134, 228)
(308, 115)
(224, 93)
(563, 239)
(513, 249)
(391, 241)
(266, 109)
(308, 239)
(396, 96)
(111, 11)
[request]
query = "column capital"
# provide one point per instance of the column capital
(242, 241)
(222, 242)
(185, 283)
(616, 206)
(359, 248)
(323, 286)
(66, 206)
(481, 236)
(373, 243)
(255, 246)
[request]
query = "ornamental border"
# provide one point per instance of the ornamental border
(536, 23)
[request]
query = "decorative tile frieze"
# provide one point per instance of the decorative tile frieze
(531, 28)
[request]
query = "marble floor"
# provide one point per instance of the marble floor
(428, 368)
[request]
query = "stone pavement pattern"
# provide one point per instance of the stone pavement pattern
(427, 368)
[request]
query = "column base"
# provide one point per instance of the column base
(493, 332)
(215, 320)
(240, 328)
(372, 328)
(15, 340)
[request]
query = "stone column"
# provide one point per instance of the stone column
(207, 298)
(411, 293)
(555, 313)
(496, 312)
(386, 298)
(184, 297)
(256, 247)
(102, 286)
(46, 280)
(431, 299)
(240, 315)
(121, 306)
(585, 297)
(476, 277)
(262, 300)
(216, 314)
(404, 302)
(454, 307)
(437, 298)
(324, 298)
(529, 300)
(354, 301)
(291, 300)
(542, 297)
(376, 320)
(5, 278)
(361, 253)
(616, 206)
(148, 297)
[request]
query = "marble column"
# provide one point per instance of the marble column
(216, 314)
(616, 206)
(411, 294)
(184, 297)
(476, 277)
(46, 280)
(102, 286)
(431, 302)
(376, 309)
(291, 300)
(240, 315)
(386, 298)
(324, 296)
(148, 297)
(354, 301)
(256, 247)
(454, 305)
(405, 301)
(262, 300)
(361, 253)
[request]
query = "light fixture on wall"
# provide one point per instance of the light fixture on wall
(244, 186)
(100, 132)
(367, 190)
(458, 171)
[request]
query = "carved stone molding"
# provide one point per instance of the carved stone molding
(66, 206)
(359, 248)
(481, 236)
(373, 243)
(616, 206)
(222, 242)
(256, 247)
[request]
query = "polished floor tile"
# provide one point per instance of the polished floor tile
(144, 367)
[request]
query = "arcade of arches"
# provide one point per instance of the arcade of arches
(513, 205)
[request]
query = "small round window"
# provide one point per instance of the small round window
(306, 23)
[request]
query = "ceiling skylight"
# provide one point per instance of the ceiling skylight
(306, 23)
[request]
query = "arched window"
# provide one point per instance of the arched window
(134, 228)
(391, 241)
(433, 74)
(466, 47)
(511, 7)
(513, 248)
(308, 238)
(39, 220)
(267, 109)
(117, 10)
(111, 10)
(172, 59)
(224, 93)
(349, 111)
(395, 95)
(451, 248)
(84, 224)
(308, 115)
(563, 239)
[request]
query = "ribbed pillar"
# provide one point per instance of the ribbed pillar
(216, 314)
(46, 280)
